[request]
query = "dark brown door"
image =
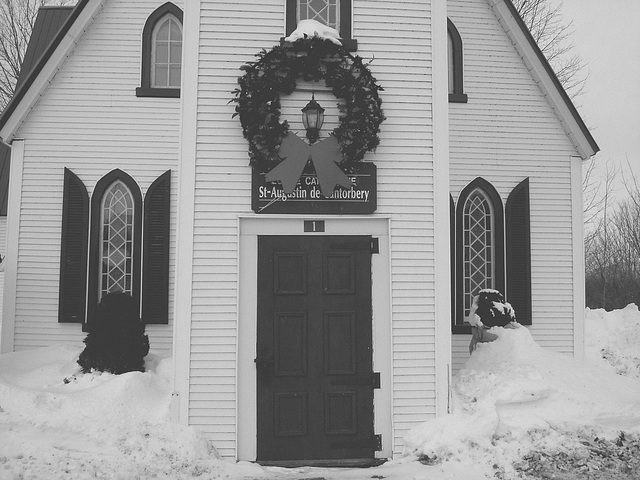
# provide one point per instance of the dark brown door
(314, 362)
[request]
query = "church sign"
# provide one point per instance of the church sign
(358, 197)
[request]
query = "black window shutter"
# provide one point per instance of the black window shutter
(73, 254)
(452, 253)
(155, 262)
(519, 252)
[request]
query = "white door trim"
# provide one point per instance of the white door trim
(250, 227)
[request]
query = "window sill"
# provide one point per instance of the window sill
(461, 329)
(458, 98)
(350, 44)
(158, 92)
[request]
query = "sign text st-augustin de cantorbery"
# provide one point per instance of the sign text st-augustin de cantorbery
(307, 197)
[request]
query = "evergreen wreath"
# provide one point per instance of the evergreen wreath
(313, 59)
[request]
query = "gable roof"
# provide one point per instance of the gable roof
(46, 64)
(543, 74)
(47, 24)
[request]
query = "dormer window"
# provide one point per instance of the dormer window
(162, 53)
(333, 13)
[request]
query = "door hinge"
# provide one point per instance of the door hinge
(377, 443)
(375, 380)
(375, 245)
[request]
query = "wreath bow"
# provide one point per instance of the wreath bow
(296, 153)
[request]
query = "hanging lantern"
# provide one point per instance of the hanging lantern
(312, 119)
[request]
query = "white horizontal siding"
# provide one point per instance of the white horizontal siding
(90, 121)
(3, 253)
(396, 36)
(506, 132)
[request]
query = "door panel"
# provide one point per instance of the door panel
(290, 344)
(340, 347)
(314, 358)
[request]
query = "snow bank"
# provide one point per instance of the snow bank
(513, 397)
(55, 421)
(614, 339)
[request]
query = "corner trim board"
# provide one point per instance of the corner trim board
(7, 326)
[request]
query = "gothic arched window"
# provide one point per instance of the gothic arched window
(161, 53)
(479, 246)
(121, 257)
(490, 248)
(116, 240)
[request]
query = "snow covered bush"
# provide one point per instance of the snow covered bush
(488, 310)
(116, 342)
(492, 310)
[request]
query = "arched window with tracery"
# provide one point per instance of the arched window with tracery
(490, 248)
(478, 246)
(116, 240)
(108, 225)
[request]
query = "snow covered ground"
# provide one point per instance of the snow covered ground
(515, 404)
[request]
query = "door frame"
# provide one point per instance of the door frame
(249, 228)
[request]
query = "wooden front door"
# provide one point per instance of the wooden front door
(314, 358)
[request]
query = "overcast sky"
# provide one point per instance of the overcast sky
(607, 37)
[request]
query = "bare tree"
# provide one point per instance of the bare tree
(544, 20)
(17, 18)
(612, 252)
(628, 214)
(598, 192)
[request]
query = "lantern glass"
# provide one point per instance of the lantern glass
(312, 118)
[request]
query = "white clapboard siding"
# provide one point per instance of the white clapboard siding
(506, 132)
(396, 35)
(90, 121)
